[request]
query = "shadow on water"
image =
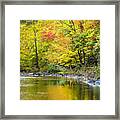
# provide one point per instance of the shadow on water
(57, 88)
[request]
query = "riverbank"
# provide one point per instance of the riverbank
(84, 78)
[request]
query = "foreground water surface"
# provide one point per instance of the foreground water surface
(57, 88)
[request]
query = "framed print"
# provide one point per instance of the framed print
(59, 59)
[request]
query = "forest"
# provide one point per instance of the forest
(60, 47)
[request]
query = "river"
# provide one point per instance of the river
(57, 88)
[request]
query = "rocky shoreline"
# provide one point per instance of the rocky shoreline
(90, 80)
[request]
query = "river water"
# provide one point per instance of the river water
(57, 88)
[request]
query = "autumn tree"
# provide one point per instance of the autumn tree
(59, 45)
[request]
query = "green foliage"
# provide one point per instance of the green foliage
(59, 45)
(52, 68)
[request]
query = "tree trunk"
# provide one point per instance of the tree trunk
(80, 57)
(36, 51)
(81, 27)
(84, 57)
(96, 62)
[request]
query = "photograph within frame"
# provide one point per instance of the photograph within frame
(60, 59)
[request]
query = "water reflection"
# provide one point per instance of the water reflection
(57, 88)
